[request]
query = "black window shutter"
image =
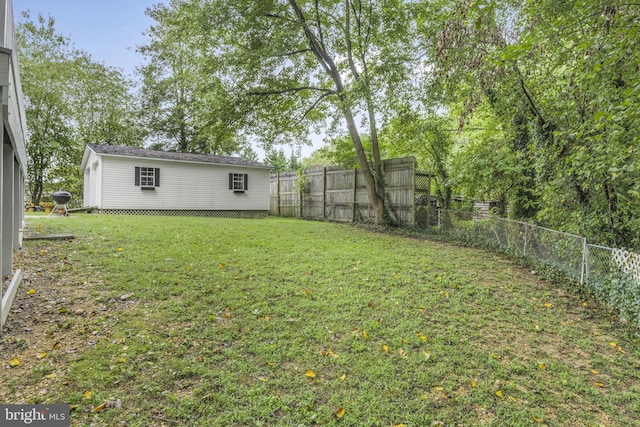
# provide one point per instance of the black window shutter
(157, 175)
(230, 181)
(246, 181)
(137, 178)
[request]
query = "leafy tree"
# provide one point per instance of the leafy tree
(559, 77)
(292, 64)
(430, 140)
(276, 159)
(315, 159)
(293, 163)
(339, 151)
(69, 100)
(186, 106)
(45, 72)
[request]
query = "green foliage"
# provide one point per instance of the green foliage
(621, 293)
(339, 151)
(430, 140)
(69, 101)
(186, 107)
(560, 79)
(294, 66)
(277, 160)
(301, 183)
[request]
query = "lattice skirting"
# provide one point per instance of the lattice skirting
(175, 212)
(628, 262)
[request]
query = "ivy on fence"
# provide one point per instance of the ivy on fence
(611, 275)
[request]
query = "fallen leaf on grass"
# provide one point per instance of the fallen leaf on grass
(339, 413)
(31, 291)
(536, 419)
(473, 383)
(548, 304)
(108, 404)
(422, 337)
(343, 377)
(365, 335)
(88, 394)
(42, 355)
(594, 372)
(310, 374)
(14, 362)
(385, 348)
(598, 384)
(499, 393)
(328, 352)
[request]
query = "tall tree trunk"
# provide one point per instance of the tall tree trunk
(325, 60)
(376, 199)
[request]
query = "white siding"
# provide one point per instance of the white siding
(92, 188)
(183, 185)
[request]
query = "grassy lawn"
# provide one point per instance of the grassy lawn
(164, 321)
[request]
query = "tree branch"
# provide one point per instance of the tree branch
(293, 89)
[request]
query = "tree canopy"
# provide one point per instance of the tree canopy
(69, 100)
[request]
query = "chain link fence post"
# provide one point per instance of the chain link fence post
(585, 261)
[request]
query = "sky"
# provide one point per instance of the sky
(108, 30)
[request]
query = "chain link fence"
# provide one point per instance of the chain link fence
(611, 275)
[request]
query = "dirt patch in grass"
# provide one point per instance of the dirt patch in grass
(57, 315)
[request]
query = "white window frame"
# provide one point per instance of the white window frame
(238, 182)
(147, 177)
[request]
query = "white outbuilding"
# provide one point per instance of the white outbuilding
(121, 179)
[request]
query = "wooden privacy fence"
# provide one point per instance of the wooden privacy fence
(337, 194)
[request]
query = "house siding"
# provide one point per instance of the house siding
(183, 186)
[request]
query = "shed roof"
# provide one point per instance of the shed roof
(125, 151)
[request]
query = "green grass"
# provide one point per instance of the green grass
(200, 321)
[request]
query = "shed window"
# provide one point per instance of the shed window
(147, 178)
(238, 181)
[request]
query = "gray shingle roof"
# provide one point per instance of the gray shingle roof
(122, 150)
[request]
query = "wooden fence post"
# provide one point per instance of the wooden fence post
(355, 194)
(324, 193)
(278, 193)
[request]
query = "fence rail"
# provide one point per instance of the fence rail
(611, 275)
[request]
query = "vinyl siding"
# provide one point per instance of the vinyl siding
(183, 185)
(92, 178)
